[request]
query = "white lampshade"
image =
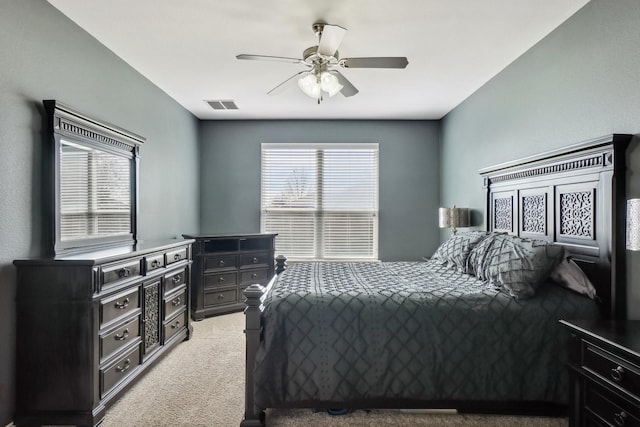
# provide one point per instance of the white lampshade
(633, 224)
(329, 83)
(309, 85)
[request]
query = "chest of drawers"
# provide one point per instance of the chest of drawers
(604, 362)
(89, 324)
(223, 266)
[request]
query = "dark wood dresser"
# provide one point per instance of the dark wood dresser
(604, 362)
(223, 266)
(89, 324)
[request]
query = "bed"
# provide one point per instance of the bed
(459, 330)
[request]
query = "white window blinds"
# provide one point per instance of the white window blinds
(322, 200)
(95, 198)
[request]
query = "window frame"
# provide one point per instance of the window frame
(318, 212)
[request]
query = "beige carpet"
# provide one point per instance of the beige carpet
(201, 383)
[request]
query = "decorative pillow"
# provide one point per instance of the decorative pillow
(514, 264)
(456, 249)
(569, 275)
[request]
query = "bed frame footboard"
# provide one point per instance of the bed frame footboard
(254, 416)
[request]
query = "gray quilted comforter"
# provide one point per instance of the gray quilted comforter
(340, 332)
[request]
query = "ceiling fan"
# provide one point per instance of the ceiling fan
(321, 77)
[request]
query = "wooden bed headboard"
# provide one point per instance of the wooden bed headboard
(574, 196)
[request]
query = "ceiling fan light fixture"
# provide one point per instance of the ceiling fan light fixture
(329, 83)
(309, 85)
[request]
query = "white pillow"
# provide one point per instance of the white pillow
(569, 275)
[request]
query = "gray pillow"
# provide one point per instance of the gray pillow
(454, 252)
(513, 264)
(569, 275)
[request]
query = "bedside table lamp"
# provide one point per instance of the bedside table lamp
(453, 218)
(633, 224)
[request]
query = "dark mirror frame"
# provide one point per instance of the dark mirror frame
(66, 124)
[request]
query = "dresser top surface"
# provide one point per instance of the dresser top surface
(108, 254)
(624, 334)
(202, 236)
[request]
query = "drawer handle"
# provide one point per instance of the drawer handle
(221, 296)
(255, 260)
(123, 336)
(177, 279)
(124, 367)
(155, 263)
(175, 325)
(619, 418)
(254, 275)
(221, 263)
(221, 280)
(176, 257)
(122, 305)
(616, 374)
(176, 302)
(124, 272)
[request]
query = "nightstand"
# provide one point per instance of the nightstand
(604, 364)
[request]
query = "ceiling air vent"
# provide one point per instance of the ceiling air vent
(226, 104)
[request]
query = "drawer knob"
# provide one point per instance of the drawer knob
(155, 263)
(124, 367)
(122, 305)
(221, 263)
(619, 418)
(254, 275)
(221, 296)
(124, 272)
(255, 260)
(123, 336)
(616, 374)
(221, 280)
(175, 325)
(176, 302)
(176, 257)
(176, 279)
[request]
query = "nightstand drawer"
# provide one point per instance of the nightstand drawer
(613, 369)
(610, 408)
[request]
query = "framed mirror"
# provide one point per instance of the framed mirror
(94, 198)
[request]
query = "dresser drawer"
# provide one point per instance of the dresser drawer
(174, 280)
(119, 305)
(154, 262)
(174, 303)
(217, 280)
(254, 276)
(255, 259)
(114, 273)
(176, 256)
(216, 262)
(229, 296)
(613, 369)
(111, 342)
(113, 374)
(175, 325)
(606, 406)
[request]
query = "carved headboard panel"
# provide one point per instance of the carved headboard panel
(574, 196)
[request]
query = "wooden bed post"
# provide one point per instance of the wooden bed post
(253, 329)
(254, 416)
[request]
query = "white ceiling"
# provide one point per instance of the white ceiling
(188, 49)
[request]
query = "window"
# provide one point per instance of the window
(321, 199)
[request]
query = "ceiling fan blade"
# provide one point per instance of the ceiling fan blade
(331, 38)
(278, 89)
(347, 88)
(375, 62)
(270, 58)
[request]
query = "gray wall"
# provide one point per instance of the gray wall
(409, 194)
(580, 82)
(46, 56)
